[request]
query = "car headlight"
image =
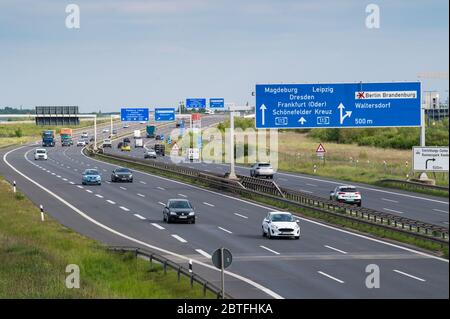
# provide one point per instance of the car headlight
(115, 175)
(275, 227)
(191, 213)
(296, 226)
(173, 213)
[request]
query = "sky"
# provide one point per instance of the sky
(138, 53)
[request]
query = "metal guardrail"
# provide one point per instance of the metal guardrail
(181, 270)
(253, 186)
(415, 184)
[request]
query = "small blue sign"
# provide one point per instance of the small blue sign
(169, 140)
(394, 104)
(199, 141)
(195, 103)
(216, 103)
(164, 114)
(134, 114)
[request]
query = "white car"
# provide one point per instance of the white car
(261, 169)
(40, 154)
(84, 135)
(125, 126)
(346, 194)
(107, 143)
(105, 130)
(142, 122)
(280, 224)
(81, 143)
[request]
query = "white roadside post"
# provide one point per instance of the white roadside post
(95, 132)
(14, 186)
(42, 212)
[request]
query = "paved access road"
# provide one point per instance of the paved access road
(430, 209)
(325, 263)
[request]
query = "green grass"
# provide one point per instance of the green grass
(34, 256)
(441, 250)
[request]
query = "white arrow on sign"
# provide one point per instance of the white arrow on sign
(263, 108)
(341, 108)
(302, 120)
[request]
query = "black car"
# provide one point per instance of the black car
(126, 140)
(122, 175)
(179, 210)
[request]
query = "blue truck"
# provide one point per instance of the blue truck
(48, 138)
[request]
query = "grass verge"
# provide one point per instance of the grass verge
(435, 248)
(34, 256)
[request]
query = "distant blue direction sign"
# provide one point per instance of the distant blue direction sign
(134, 114)
(216, 103)
(195, 103)
(164, 114)
(393, 104)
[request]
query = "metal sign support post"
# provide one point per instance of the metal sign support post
(222, 272)
(232, 169)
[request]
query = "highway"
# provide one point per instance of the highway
(426, 208)
(325, 263)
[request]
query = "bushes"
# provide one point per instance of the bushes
(399, 138)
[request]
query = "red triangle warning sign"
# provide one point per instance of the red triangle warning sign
(320, 149)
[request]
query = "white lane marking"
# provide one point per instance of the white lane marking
(157, 226)
(182, 195)
(338, 250)
(111, 202)
(53, 174)
(305, 191)
(331, 277)
(408, 275)
(139, 216)
(108, 182)
(141, 195)
(179, 238)
(313, 185)
(121, 187)
(75, 170)
(59, 176)
(241, 215)
(68, 167)
(71, 183)
(79, 186)
(64, 179)
(161, 203)
(225, 230)
(379, 241)
(99, 196)
(441, 211)
(124, 208)
(208, 204)
(367, 188)
(389, 200)
(393, 211)
(104, 170)
(142, 182)
(203, 253)
(161, 188)
(268, 249)
(89, 191)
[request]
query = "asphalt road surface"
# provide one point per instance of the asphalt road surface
(325, 263)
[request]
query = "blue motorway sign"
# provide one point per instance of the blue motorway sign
(195, 103)
(134, 114)
(164, 114)
(216, 103)
(284, 106)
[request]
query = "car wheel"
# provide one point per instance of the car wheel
(168, 220)
(263, 232)
(269, 236)
(297, 237)
(359, 204)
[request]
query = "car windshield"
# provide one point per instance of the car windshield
(282, 218)
(348, 189)
(41, 151)
(264, 165)
(180, 204)
(91, 172)
(123, 170)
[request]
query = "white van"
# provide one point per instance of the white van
(40, 154)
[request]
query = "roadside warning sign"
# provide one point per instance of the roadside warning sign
(175, 149)
(320, 151)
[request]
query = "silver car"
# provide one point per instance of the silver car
(261, 169)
